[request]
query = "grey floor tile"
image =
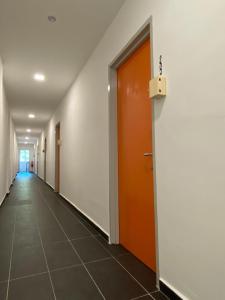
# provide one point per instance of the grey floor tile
(33, 288)
(35, 204)
(27, 236)
(27, 261)
(140, 271)
(52, 234)
(75, 230)
(60, 255)
(114, 281)
(90, 227)
(3, 290)
(4, 264)
(74, 283)
(159, 296)
(89, 249)
(115, 250)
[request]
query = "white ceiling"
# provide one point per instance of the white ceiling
(29, 43)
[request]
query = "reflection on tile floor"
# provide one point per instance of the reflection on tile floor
(49, 251)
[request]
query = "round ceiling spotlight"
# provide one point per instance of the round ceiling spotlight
(52, 19)
(39, 77)
(31, 116)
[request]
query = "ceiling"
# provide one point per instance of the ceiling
(29, 43)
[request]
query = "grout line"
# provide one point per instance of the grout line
(50, 278)
(73, 248)
(112, 255)
(11, 256)
(77, 219)
(66, 268)
(97, 260)
(95, 283)
(66, 241)
(156, 291)
(130, 274)
(136, 298)
(92, 235)
(28, 276)
(56, 269)
(152, 294)
(78, 265)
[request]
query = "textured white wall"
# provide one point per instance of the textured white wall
(8, 145)
(189, 138)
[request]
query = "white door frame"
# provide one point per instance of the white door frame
(143, 33)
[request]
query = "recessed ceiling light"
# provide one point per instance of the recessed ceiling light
(26, 138)
(52, 19)
(39, 77)
(31, 116)
(28, 130)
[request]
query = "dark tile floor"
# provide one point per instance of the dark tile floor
(48, 251)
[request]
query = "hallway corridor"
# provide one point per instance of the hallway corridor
(49, 251)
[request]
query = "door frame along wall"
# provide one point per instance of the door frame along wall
(145, 32)
(57, 157)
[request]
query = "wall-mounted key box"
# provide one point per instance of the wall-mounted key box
(157, 87)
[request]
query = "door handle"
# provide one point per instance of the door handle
(147, 154)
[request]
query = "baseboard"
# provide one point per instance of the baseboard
(87, 218)
(80, 212)
(3, 199)
(42, 179)
(50, 185)
(170, 291)
(8, 192)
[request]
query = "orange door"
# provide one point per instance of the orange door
(57, 158)
(45, 159)
(136, 204)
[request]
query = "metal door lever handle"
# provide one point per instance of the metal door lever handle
(148, 154)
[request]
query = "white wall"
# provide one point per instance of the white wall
(189, 138)
(8, 145)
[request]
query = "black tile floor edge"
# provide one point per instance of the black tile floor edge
(43, 181)
(11, 185)
(7, 194)
(104, 235)
(168, 292)
(86, 218)
(4, 199)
